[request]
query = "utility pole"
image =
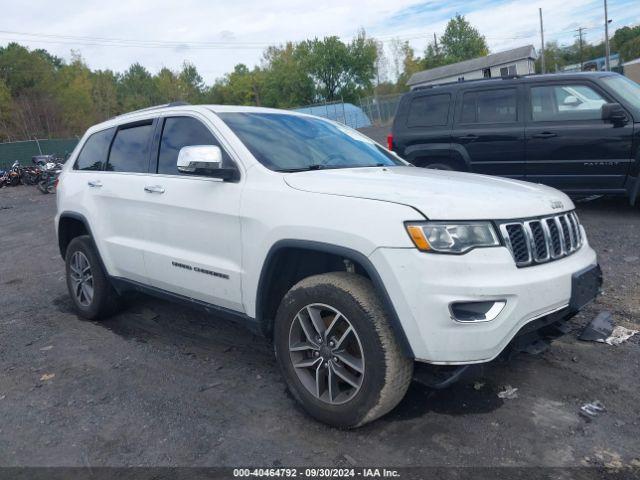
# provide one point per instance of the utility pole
(607, 52)
(436, 49)
(542, 40)
(580, 30)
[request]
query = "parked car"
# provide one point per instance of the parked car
(357, 265)
(577, 132)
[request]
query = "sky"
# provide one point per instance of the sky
(215, 35)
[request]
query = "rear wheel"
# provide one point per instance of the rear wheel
(42, 186)
(337, 352)
(88, 285)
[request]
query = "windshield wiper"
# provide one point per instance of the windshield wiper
(315, 166)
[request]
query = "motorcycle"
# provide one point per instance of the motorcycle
(13, 175)
(31, 175)
(49, 178)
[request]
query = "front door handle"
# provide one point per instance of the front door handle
(545, 135)
(154, 189)
(469, 137)
(94, 183)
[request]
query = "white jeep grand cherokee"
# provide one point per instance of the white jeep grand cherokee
(356, 264)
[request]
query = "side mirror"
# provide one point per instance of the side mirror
(613, 112)
(571, 101)
(204, 160)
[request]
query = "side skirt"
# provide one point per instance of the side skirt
(123, 285)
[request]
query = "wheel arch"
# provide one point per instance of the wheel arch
(452, 154)
(270, 292)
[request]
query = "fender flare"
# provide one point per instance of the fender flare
(433, 149)
(81, 218)
(348, 253)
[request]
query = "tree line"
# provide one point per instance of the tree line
(43, 96)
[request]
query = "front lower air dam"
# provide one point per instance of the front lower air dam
(473, 312)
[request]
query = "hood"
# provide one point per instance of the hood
(437, 194)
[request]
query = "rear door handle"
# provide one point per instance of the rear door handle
(545, 135)
(154, 189)
(469, 137)
(94, 183)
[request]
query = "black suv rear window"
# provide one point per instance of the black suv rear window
(94, 153)
(490, 106)
(429, 110)
(130, 149)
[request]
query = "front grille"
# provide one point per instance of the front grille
(542, 240)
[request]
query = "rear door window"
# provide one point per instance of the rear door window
(181, 132)
(130, 149)
(490, 106)
(429, 110)
(93, 155)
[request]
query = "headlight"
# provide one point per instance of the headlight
(446, 237)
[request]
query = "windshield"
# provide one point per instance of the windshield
(626, 88)
(288, 143)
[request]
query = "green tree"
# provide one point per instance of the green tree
(190, 83)
(240, 87)
(74, 96)
(286, 82)
(461, 41)
(105, 94)
(6, 113)
(340, 70)
(136, 89)
(410, 63)
(630, 49)
(168, 86)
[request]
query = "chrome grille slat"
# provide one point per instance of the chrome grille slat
(541, 240)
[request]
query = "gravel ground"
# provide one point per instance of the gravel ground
(162, 384)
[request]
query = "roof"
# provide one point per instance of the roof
(169, 109)
(508, 56)
(567, 76)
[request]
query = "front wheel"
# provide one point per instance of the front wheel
(337, 352)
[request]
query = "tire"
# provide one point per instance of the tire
(42, 186)
(385, 372)
(103, 300)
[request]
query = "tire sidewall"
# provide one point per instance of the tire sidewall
(101, 285)
(352, 412)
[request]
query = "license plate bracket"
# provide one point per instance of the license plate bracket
(585, 287)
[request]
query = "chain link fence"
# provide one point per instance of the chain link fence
(23, 151)
(366, 112)
(381, 109)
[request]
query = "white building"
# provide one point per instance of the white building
(518, 61)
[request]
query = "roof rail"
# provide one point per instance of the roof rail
(155, 107)
(502, 77)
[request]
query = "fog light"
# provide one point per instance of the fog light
(468, 312)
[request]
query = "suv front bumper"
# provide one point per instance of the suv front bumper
(422, 287)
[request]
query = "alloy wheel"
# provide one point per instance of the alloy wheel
(326, 354)
(81, 278)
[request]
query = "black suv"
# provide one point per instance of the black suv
(577, 132)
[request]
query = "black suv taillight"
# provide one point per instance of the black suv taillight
(390, 142)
